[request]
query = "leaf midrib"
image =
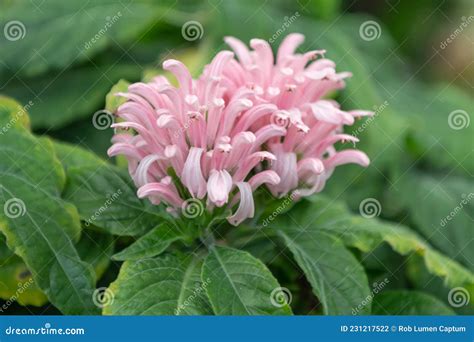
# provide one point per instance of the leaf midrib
(219, 260)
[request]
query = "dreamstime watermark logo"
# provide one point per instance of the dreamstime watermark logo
(280, 297)
(464, 24)
(370, 30)
(14, 30)
(459, 119)
(103, 297)
(377, 287)
(287, 21)
(192, 30)
(197, 291)
(14, 208)
(109, 22)
(370, 208)
(286, 202)
(102, 119)
(22, 287)
(189, 120)
(15, 118)
(280, 119)
(378, 109)
(465, 200)
(458, 297)
(108, 202)
(192, 208)
(45, 330)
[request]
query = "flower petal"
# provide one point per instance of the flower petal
(219, 185)
(246, 207)
(192, 176)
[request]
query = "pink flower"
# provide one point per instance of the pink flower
(242, 124)
(296, 84)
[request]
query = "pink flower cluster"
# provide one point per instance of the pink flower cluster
(243, 123)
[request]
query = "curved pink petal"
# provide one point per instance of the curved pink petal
(219, 185)
(246, 207)
(264, 177)
(289, 45)
(192, 176)
(347, 157)
(162, 191)
(181, 72)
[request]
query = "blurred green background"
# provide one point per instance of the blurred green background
(413, 66)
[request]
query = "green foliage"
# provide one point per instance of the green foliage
(82, 90)
(102, 23)
(151, 244)
(407, 303)
(167, 285)
(450, 229)
(17, 284)
(337, 278)
(76, 224)
(104, 194)
(39, 225)
(240, 284)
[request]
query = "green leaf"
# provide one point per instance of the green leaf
(427, 122)
(240, 284)
(440, 133)
(82, 91)
(102, 23)
(83, 134)
(338, 279)
(38, 225)
(104, 194)
(151, 244)
(96, 249)
(17, 284)
(420, 279)
(442, 209)
(256, 242)
(74, 156)
(167, 285)
(13, 115)
(112, 101)
(408, 303)
(366, 234)
(5, 252)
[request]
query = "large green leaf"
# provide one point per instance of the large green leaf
(240, 284)
(37, 45)
(84, 134)
(17, 284)
(104, 194)
(67, 96)
(151, 244)
(422, 280)
(338, 279)
(332, 217)
(442, 209)
(39, 226)
(96, 249)
(256, 242)
(412, 303)
(167, 285)
(440, 133)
